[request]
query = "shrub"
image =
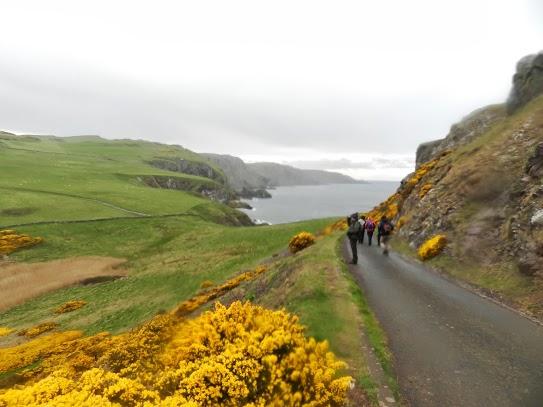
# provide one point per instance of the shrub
(11, 241)
(231, 356)
(38, 329)
(432, 247)
(70, 306)
(424, 190)
(301, 241)
(5, 331)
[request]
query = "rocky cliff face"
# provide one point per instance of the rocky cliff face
(470, 127)
(210, 190)
(527, 81)
(239, 175)
(188, 167)
(482, 187)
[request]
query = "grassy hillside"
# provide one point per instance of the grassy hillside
(167, 261)
(49, 178)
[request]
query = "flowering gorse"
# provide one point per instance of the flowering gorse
(38, 329)
(5, 331)
(424, 190)
(241, 355)
(301, 241)
(11, 241)
(70, 306)
(432, 247)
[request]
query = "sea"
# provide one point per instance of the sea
(295, 203)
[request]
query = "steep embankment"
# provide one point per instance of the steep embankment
(481, 187)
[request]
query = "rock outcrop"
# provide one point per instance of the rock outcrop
(482, 187)
(210, 190)
(469, 128)
(238, 174)
(183, 166)
(527, 81)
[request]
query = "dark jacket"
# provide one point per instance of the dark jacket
(355, 230)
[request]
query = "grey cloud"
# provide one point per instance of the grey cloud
(76, 101)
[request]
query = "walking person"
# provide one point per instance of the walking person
(362, 222)
(383, 233)
(353, 233)
(369, 226)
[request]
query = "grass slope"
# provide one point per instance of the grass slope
(167, 259)
(86, 178)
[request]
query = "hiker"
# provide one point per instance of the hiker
(383, 233)
(353, 233)
(352, 218)
(369, 226)
(362, 222)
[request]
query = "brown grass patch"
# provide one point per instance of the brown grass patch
(21, 281)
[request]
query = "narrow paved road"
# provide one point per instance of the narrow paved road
(451, 347)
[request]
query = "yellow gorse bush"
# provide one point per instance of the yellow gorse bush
(198, 300)
(38, 329)
(70, 306)
(11, 241)
(241, 355)
(5, 331)
(341, 224)
(424, 190)
(432, 247)
(301, 241)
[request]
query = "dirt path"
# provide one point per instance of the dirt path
(22, 281)
(451, 347)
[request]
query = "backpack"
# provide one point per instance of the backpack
(355, 229)
(387, 227)
(370, 226)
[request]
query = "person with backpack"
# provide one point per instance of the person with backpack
(362, 222)
(353, 233)
(369, 226)
(383, 233)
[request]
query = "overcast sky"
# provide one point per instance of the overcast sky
(352, 86)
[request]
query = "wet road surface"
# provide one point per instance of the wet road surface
(451, 347)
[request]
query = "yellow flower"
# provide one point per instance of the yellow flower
(301, 241)
(432, 247)
(5, 331)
